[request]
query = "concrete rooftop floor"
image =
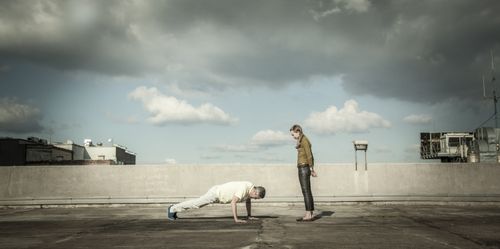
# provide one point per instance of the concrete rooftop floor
(340, 226)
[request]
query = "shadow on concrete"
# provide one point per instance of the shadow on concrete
(326, 213)
(224, 217)
(323, 214)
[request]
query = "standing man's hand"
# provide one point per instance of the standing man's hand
(313, 173)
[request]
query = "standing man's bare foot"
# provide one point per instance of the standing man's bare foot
(307, 217)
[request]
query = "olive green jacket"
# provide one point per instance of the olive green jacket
(305, 155)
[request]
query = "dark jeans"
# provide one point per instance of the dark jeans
(305, 185)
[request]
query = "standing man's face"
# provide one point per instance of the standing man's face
(295, 134)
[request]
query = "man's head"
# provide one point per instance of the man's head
(296, 131)
(257, 192)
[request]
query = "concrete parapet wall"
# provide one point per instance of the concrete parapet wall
(47, 185)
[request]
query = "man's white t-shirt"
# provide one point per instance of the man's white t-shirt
(226, 191)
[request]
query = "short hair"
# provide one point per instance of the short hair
(296, 128)
(261, 191)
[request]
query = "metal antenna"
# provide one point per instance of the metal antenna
(484, 88)
(495, 99)
(494, 96)
(492, 65)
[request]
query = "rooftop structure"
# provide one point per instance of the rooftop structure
(15, 151)
(482, 145)
(360, 145)
(446, 146)
(117, 154)
(36, 151)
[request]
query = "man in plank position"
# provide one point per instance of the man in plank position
(231, 192)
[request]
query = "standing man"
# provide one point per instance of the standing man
(305, 165)
(231, 192)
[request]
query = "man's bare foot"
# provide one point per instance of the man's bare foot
(305, 220)
(307, 217)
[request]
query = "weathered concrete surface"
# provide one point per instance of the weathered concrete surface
(341, 226)
(45, 185)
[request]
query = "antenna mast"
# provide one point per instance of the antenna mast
(494, 97)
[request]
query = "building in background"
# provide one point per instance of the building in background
(77, 150)
(15, 151)
(118, 154)
(35, 151)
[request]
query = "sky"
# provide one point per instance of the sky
(206, 82)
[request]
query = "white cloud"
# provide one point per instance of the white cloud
(355, 5)
(261, 141)
(418, 119)
(271, 138)
(340, 6)
(348, 119)
(167, 109)
(237, 148)
(170, 161)
(318, 15)
(18, 117)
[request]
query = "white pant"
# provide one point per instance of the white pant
(209, 197)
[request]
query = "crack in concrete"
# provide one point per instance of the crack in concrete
(270, 235)
(429, 224)
(17, 211)
(83, 233)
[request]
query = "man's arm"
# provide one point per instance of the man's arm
(235, 211)
(249, 210)
(309, 155)
(249, 207)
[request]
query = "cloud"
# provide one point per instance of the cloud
(4, 68)
(348, 119)
(170, 161)
(167, 109)
(210, 157)
(18, 117)
(339, 6)
(398, 49)
(355, 5)
(245, 148)
(268, 138)
(418, 119)
(260, 141)
(318, 15)
(54, 126)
